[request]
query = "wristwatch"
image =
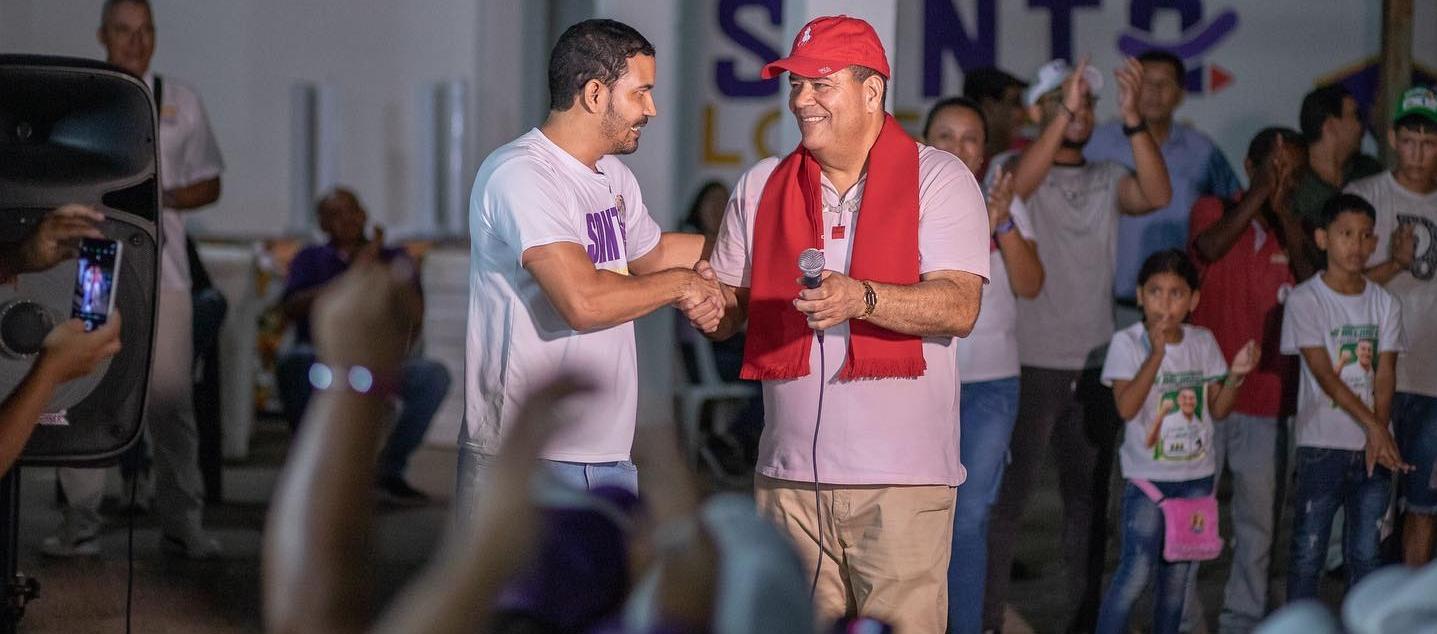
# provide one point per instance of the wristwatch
(1131, 130)
(1004, 228)
(870, 300)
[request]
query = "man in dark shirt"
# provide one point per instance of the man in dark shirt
(1332, 127)
(421, 384)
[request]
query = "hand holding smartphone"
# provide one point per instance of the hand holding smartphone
(96, 277)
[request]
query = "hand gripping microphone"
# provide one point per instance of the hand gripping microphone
(811, 263)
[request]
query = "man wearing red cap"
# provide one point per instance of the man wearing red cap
(859, 458)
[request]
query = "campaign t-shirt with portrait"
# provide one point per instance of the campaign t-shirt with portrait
(1415, 288)
(879, 432)
(1354, 330)
(531, 193)
(1170, 438)
(990, 352)
(1075, 210)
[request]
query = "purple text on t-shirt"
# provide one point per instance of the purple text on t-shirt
(606, 229)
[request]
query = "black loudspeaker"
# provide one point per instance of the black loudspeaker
(74, 130)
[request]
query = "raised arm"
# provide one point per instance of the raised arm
(320, 524)
(1149, 188)
(1020, 254)
(1037, 158)
(1222, 396)
(1403, 249)
(593, 299)
(1130, 395)
(1217, 239)
(457, 592)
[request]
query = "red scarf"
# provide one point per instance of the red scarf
(885, 249)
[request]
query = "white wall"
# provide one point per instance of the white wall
(243, 57)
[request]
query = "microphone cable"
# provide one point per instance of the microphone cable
(130, 554)
(817, 498)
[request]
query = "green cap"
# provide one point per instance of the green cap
(1419, 101)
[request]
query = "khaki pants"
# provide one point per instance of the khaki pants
(885, 548)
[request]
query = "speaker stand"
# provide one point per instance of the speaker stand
(19, 589)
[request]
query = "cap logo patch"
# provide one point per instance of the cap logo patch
(807, 35)
(825, 70)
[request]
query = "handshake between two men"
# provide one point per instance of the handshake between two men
(717, 309)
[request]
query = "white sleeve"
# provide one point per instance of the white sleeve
(1023, 219)
(1300, 323)
(1124, 359)
(732, 259)
(527, 207)
(953, 230)
(1390, 336)
(202, 160)
(641, 233)
(1214, 365)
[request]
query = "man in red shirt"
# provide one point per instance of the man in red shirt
(1252, 251)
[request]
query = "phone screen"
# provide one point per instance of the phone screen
(95, 278)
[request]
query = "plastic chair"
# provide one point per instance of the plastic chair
(705, 385)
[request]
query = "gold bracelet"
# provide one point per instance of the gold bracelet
(870, 298)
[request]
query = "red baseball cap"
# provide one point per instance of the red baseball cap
(829, 44)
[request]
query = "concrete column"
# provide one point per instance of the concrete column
(656, 165)
(511, 93)
(882, 14)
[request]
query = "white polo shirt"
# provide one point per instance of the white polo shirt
(188, 155)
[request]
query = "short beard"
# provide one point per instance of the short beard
(616, 130)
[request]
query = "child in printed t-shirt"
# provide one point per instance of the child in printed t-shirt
(1405, 263)
(1336, 321)
(1168, 381)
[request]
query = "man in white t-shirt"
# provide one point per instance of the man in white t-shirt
(190, 167)
(564, 256)
(859, 371)
(1405, 263)
(1075, 205)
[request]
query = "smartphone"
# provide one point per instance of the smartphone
(96, 277)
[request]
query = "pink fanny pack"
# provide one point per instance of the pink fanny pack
(1189, 525)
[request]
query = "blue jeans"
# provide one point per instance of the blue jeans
(1327, 479)
(472, 476)
(1415, 418)
(423, 385)
(1142, 561)
(988, 410)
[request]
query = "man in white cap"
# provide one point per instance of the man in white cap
(859, 456)
(1063, 332)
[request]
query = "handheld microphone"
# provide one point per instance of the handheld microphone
(811, 263)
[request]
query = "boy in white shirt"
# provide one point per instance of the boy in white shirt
(1405, 263)
(1345, 451)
